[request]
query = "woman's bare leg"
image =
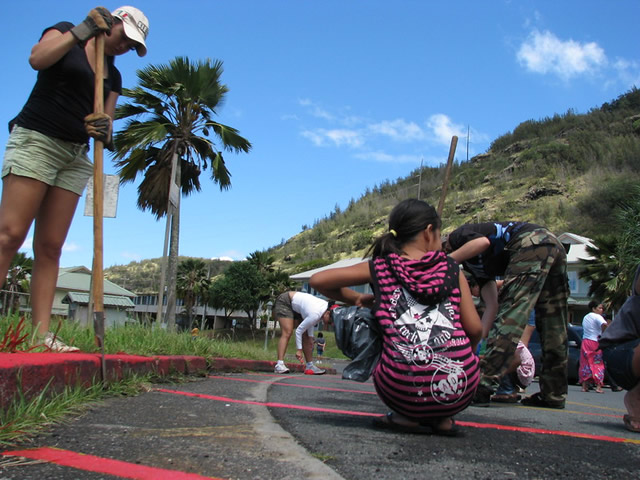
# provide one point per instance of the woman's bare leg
(632, 397)
(286, 329)
(21, 200)
(52, 225)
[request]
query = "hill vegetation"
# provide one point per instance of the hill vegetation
(144, 276)
(569, 172)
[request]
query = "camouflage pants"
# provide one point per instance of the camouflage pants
(536, 277)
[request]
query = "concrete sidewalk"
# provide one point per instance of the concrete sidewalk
(30, 373)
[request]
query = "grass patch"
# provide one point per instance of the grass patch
(322, 457)
(139, 339)
(23, 419)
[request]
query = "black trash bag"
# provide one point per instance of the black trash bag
(358, 336)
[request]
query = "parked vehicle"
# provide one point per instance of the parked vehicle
(574, 338)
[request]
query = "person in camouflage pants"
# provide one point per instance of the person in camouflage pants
(533, 263)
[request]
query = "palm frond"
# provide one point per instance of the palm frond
(219, 172)
(230, 137)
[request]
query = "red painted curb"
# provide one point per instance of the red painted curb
(30, 373)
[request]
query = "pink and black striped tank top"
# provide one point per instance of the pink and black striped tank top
(427, 367)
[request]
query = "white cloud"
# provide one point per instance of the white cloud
(338, 137)
(399, 130)
(223, 259)
(545, 53)
(350, 138)
(71, 247)
(380, 140)
(316, 137)
(316, 110)
(628, 71)
(443, 128)
(384, 157)
(131, 256)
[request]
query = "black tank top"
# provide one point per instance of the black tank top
(63, 95)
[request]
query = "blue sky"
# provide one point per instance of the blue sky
(337, 96)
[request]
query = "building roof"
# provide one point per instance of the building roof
(578, 249)
(78, 279)
(347, 262)
(82, 298)
(574, 239)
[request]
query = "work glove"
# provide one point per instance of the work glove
(98, 126)
(99, 20)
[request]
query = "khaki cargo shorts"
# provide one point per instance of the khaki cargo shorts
(47, 159)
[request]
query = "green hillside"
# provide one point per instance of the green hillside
(568, 172)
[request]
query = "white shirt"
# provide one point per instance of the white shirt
(311, 308)
(592, 326)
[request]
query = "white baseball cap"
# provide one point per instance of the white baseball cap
(136, 26)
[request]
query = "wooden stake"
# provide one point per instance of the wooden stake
(447, 174)
(97, 280)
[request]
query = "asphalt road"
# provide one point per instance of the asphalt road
(262, 426)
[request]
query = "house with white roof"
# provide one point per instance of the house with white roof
(73, 295)
(578, 288)
(303, 277)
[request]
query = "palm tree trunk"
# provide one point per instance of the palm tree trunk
(163, 271)
(11, 300)
(172, 272)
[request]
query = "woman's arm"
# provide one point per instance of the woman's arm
(489, 294)
(469, 318)
(52, 47)
(110, 105)
(334, 283)
(470, 249)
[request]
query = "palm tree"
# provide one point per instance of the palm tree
(192, 282)
(17, 281)
(166, 140)
(616, 258)
(276, 281)
(262, 261)
(603, 271)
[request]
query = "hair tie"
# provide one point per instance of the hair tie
(394, 233)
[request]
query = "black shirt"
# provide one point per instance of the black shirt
(494, 260)
(63, 95)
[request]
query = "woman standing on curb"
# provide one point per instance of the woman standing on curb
(46, 167)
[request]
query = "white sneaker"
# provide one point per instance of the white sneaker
(281, 368)
(56, 345)
(313, 370)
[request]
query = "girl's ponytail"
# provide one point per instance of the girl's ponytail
(406, 220)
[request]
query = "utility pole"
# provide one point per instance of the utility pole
(468, 131)
(206, 298)
(420, 178)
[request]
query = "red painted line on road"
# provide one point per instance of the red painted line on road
(91, 463)
(268, 404)
(222, 377)
(544, 431)
(562, 433)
